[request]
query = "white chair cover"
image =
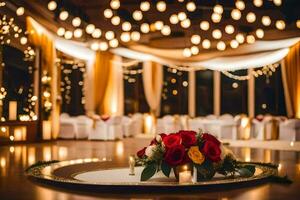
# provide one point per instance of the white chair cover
(137, 119)
(127, 125)
(160, 128)
(196, 124)
(68, 127)
(84, 127)
(290, 130)
(99, 131)
(258, 129)
(115, 130)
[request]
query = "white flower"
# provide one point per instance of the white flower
(158, 138)
(149, 152)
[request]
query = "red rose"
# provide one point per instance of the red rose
(172, 140)
(176, 156)
(211, 138)
(188, 138)
(163, 135)
(141, 152)
(212, 151)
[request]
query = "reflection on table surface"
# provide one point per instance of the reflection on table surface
(15, 159)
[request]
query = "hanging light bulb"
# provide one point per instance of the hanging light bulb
(266, 20)
(145, 6)
(216, 18)
(191, 6)
(145, 28)
(23, 40)
(229, 29)
(103, 46)
(90, 28)
(158, 25)
(217, 34)
(97, 33)
(185, 23)
(60, 31)
(115, 4)
(277, 2)
(218, 9)
(115, 20)
(137, 15)
(95, 46)
(236, 14)
(240, 5)
(234, 44)
(280, 24)
(108, 13)
(135, 36)
(187, 52)
(204, 25)
(64, 15)
(109, 35)
(195, 39)
(194, 50)
(114, 43)
(174, 19)
(68, 35)
(125, 36)
(258, 3)
(166, 30)
(182, 16)
(250, 39)
(126, 26)
(52, 5)
(251, 17)
(20, 11)
(260, 33)
(206, 44)
(78, 33)
(221, 46)
(76, 22)
(161, 6)
(240, 38)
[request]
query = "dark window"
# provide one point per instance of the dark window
(269, 94)
(175, 92)
(204, 92)
(135, 99)
(234, 94)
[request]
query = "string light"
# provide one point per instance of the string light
(250, 39)
(52, 5)
(115, 20)
(266, 20)
(204, 25)
(114, 43)
(174, 19)
(103, 46)
(108, 13)
(182, 16)
(206, 44)
(109, 35)
(90, 28)
(137, 15)
(234, 44)
(217, 34)
(76, 22)
(161, 6)
(191, 6)
(145, 28)
(78, 33)
(135, 36)
(60, 31)
(216, 18)
(158, 25)
(196, 39)
(229, 29)
(68, 35)
(95, 46)
(240, 38)
(145, 6)
(260, 33)
(64, 15)
(240, 5)
(125, 36)
(194, 50)
(221, 46)
(218, 9)
(280, 24)
(115, 4)
(20, 11)
(236, 14)
(258, 3)
(166, 30)
(185, 23)
(277, 2)
(187, 52)
(251, 17)
(126, 26)
(97, 33)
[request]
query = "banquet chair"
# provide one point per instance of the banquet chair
(84, 127)
(160, 128)
(211, 125)
(115, 130)
(196, 124)
(184, 122)
(258, 129)
(228, 127)
(171, 124)
(68, 127)
(99, 131)
(210, 117)
(271, 128)
(290, 130)
(127, 126)
(137, 121)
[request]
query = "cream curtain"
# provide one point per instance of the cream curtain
(153, 81)
(291, 80)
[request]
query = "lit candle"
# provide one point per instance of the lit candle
(185, 177)
(13, 110)
(131, 165)
(195, 175)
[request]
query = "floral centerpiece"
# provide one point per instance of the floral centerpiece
(196, 151)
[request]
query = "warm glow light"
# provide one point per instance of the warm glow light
(137, 15)
(78, 33)
(277, 2)
(103, 46)
(23, 40)
(298, 23)
(61, 31)
(125, 36)
(191, 6)
(221, 46)
(95, 46)
(135, 36)
(52, 5)
(206, 44)
(161, 6)
(234, 44)
(240, 38)
(182, 16)
(115, 4)
(20, 11)
(63, 15)
(68, 35)
(115, 20)
(236, 14)
(266, 20)
(145, 6)
(251, 17)
(76, 22)
(97, 33)
(195, 50)
(216, 18)
(196, 39)
(250, 39)
(174, 19)
(218, 9)
(204, 25)
(126, 26)
(229, 29)
(217, 34)
(240, 5)
(185, 23)
(166, 30)
(258, 3)
(145, 28)
(114, 43)
(108, 13)
(109, 35)
(187, 52)
(90, 28)
(260, 33)
(158, 25)
(280, 24)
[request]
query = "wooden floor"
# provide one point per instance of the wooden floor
(14, 159)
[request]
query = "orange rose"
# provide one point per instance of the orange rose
(195, 155)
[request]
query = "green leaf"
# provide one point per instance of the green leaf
(166, 169)
(251, 168)
(244, 172)
(148, 172)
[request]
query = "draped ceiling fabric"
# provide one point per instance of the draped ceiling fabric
(153, 81)
(291, 78)
(45, 43)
